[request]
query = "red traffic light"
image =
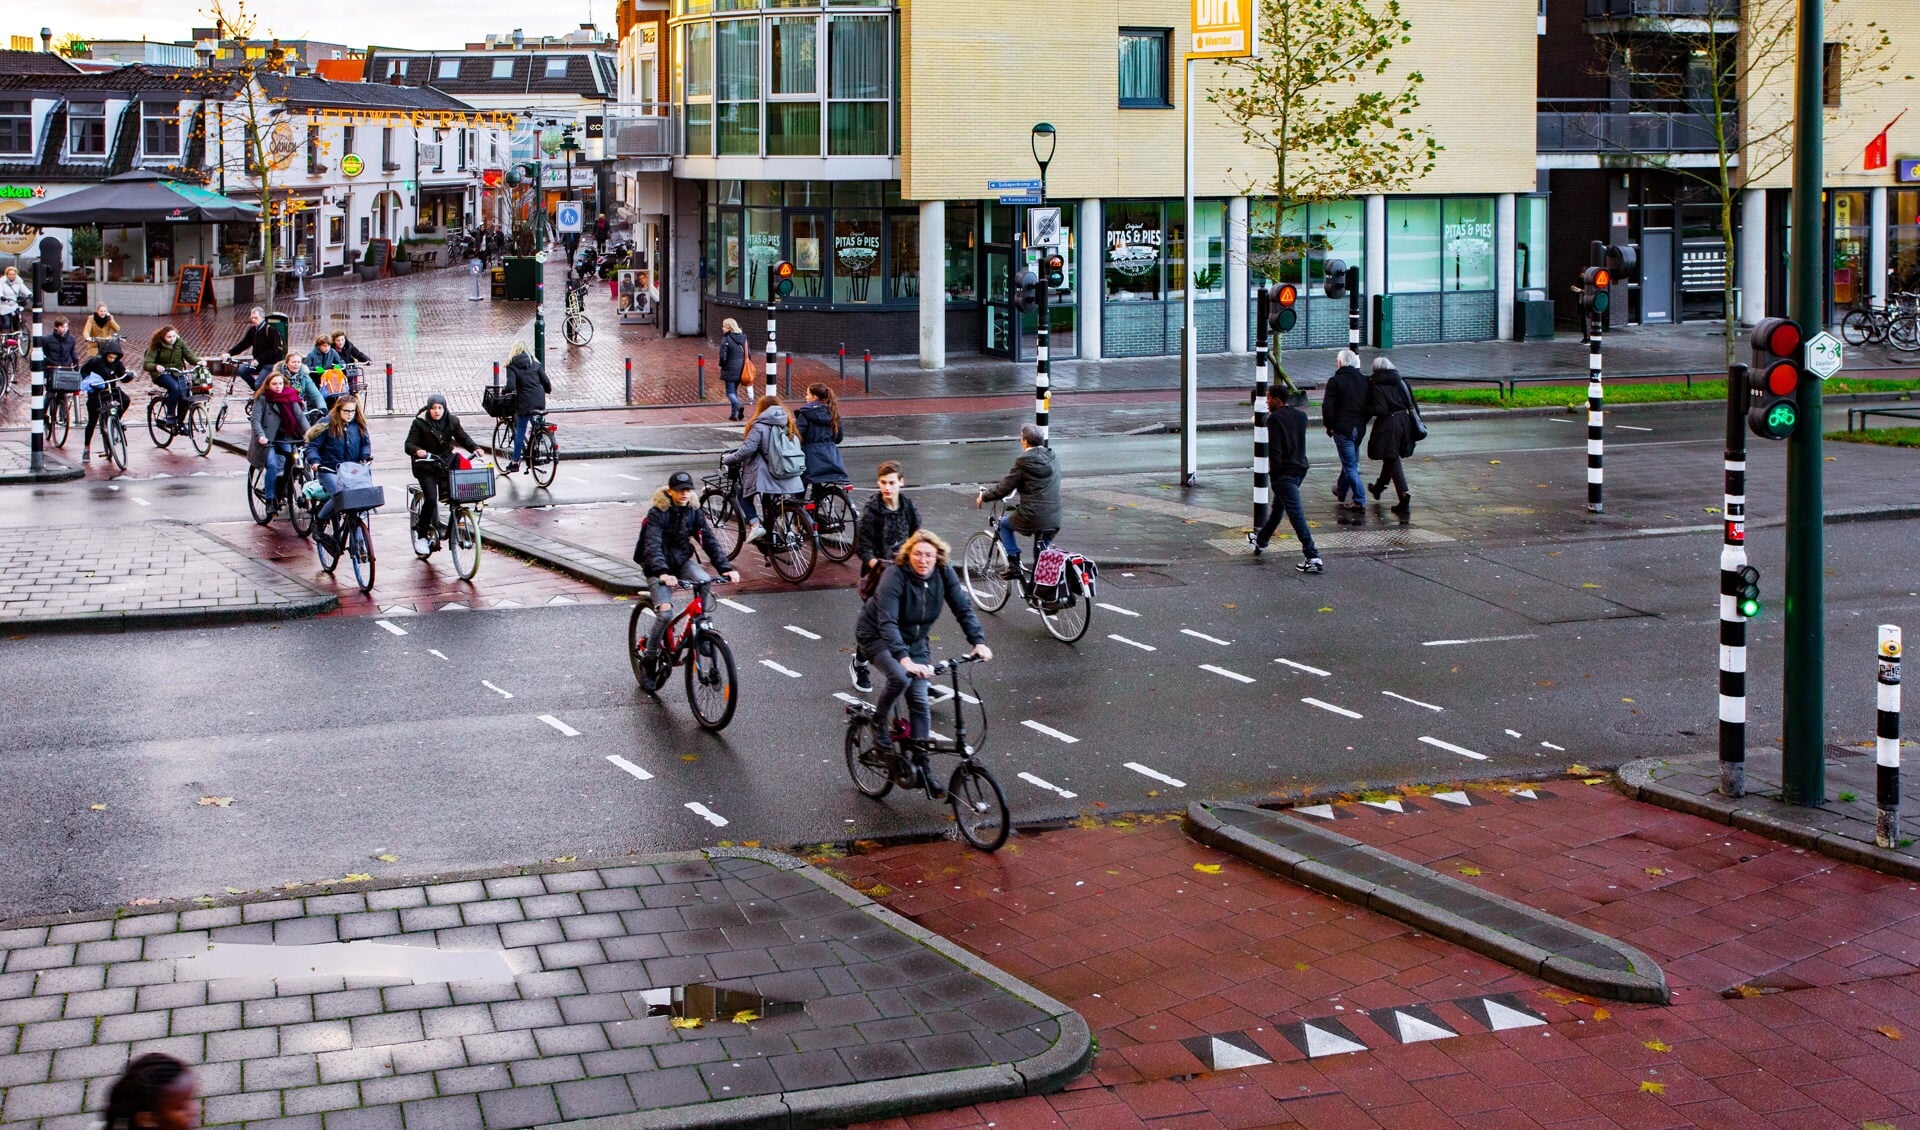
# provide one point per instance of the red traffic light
(1778, 336)
(1781, 378)
(1286, 295)
(1598, 278)
(783, 269)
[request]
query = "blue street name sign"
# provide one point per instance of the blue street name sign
(1017, 185)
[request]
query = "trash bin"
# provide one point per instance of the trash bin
(281, 325)
(1383, 321)
(1533, 318)
(523, 276)
(497, 277)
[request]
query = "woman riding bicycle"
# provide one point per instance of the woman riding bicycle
(167, 359)
(885, 523)
(759, 463)
(430, 441)
(894, 626)
(101, 377)
(342, 439)
(100, 326)
(527, 383)
(312, 400)
(278, 423)
(820, 436)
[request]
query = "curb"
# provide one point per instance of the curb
(56, 472)
(575, 561)
(1462, 914)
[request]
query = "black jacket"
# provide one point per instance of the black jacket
(1344, 407)
(437, 437)
(904, 610)
(820, 440)
(1036, 475)
(528, 384)
(882, 531)
(264, 343)
(351, 353)
(668, 534)
(1389, 404)
(62, 350)
(1287, 427)
(733, 356)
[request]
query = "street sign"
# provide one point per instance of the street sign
(1033, 199)
(1225, 29)
(1013, 185)
(1824, 357)
(1043, 227)
(568, 217)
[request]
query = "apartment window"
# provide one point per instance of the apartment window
(387, 162)
(87, 129)
(859, 51)
(16, 126)
(698, 68)
(313, 148)
(460, 153)
(737, 74)
(1143, 67)
(439, 152)
(557, 67)
(1833, 59)
(160, 129)
(503, 68)
(793, 86)
(449, 68)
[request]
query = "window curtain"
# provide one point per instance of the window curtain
(1142, 67)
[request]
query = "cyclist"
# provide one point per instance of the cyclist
(278, 424)
(820, 436)
(668, 536)
(1036, 475)
(156, 1092)
(60, 347)
(349, 352)
(766, 459)
(527, 383)
(431, 440)
(885, 522)
(341, 439)
(99, 327)
(312, 401)
(893, 634)
(327, 368)
(14, 293)
(167, 359)
(101, 376)
(265, 343)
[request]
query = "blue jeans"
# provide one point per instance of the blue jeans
(1010, 541)
(520, 422)
(277, 454)
(1349, 482)
(734, 403)
(1287, 487)
(898, 682)
(176, 387)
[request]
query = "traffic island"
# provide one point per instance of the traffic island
(1530, 940)
(16, 466)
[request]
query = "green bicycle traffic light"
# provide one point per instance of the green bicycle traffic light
(1777, 359)
(1748, 600)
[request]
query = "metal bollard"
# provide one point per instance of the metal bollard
(1886, 825)
(389, 386)
(629, 399)
(866, 365)
(700, 372)
(787, 375)
(843, 362)
(496, 374)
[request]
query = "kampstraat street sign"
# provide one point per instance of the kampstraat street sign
(1031, 199)
(1043, 227)
(1823, 355)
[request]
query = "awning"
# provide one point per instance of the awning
(137, 197)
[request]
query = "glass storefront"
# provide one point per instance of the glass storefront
(1295, 247)
(1530, 243)
(852, 244)
(1440, 264)
(1903, 239)
(1849, 232)
(1145, 275)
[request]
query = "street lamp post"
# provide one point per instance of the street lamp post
(1042, 141)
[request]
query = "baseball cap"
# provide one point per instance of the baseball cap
(680, 480)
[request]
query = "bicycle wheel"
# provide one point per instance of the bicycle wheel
(1903, 332)
(979, 807)
(59, 411)
(1857, 327)
(981, 564)
(1068, 622)
(300, 512)
(793, 546)
(637, 641)
(157, 428)
(328, 560)
(220, 417)
(543, 457)
(724, 518)
(579, 329)
(833, 519)
(116, 440)
(199, 429)
(257, 502)
(463, 542)
(360, 551)
(711, 686)
(414, 502)
(865, 765)
(502, 445)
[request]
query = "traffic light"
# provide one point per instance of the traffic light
(1748, 600)
(1594, 298)
(49, 267)
(1336, 279)
(1026, 291)
(1623, 259)
(1056, 270)
(1777, 358)
(1280, 311)
(780, 279)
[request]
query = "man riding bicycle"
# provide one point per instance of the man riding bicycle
(1036, 475)
(666, 551)
(265, 345)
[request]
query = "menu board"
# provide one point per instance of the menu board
(191, 292)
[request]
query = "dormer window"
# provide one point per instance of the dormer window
(160, 129)
(557, 67)
(449, 68)
(503, 68)
(16, 126)
(87, 129)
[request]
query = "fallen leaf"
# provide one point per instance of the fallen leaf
(144, 902)
(387, 857)
(216, 801)
(358, 877)
(1578, 770)
(684, 1022)
(745, 1016)
(1229, 606)
(750, 843)
(1748, 991)
(1593, 781)
(1329, 608)
(1711, 509)
(689, 757)
(1626, 700)
(1301, 966)
(97, 807)
(1602, 1014)
(1493, 462)
(1647, 1088)
(1469, 872)
(293, 885)
(724, 843)
(1656, 871)
(1208, 868)
(1890, 1032)
(1657, 1046)
(1153, 792)
(563, 859)
(235, 891)
(1588, 585)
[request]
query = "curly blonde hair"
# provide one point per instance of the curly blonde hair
(915, 538)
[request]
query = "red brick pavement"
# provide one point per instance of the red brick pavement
(1118, 919)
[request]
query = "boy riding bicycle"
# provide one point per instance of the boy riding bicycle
(668, 538)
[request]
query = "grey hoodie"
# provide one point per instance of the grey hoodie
(757, 456)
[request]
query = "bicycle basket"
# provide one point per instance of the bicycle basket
(200, 382)
(360, 498)
(475, 485)
(66, 380)
(497, 402)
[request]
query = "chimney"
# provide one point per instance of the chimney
(46, 40)
(396, 77)
(491, 40)
(519, 39)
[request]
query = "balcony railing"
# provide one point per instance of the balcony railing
(1627, 126)
(640, 129)
(1663, 9)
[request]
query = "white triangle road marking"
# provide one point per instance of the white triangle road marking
(1323, 811)
(1228, 1056)
(1414, 1030)
(1528, 793)
(1321, 1043)
(1455, 797)
(1385, 805)
(1500, 1018)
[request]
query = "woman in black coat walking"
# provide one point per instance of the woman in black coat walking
(733, 362)
(1390, 405)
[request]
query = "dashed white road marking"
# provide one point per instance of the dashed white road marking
(1631, 428)
(735, 605)
(1550, 745)
(1116, 608)
(801, 632)
(1328, 706)
(1205, 636)
(496, 690)
(1156, 775)
(435, 651)
(1304, 667)
(1562, 420)
(138, 501)
(787, 671)
(1415, 701)
(1481, 639)
(113, 486)
(629, 478)
(707, 814)
(630, 767)
(1451, 748)
(1049, 731)
(1047, 785)
(1234, 675)
(582, 481)
(1513, 733)
(1131, 643)
(557, 724)
(850, 700)
(392, 627)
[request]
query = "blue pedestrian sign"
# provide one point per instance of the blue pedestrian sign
(1013, 185)
(567, 217)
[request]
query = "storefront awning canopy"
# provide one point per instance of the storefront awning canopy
(137, 197)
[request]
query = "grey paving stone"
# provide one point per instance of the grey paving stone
(107, 953)
(401, 997)
(54, 1034)
(25, 937)
(634, 947)
(397, 1089)
(662, 920)
(952, 1051)
(521, 1107)
(732, 1079)
(143, 925)
(243, 1043)
(204, 1018)
(175, 994)
(28, 1010)
(618, 1061)
(272, 910)
(491, 912)
(745, 1042)
(365, 1118)
(241, 1107)
(681, 1086)
(353, 1002)
(519, 935)
(355, 1063)
(188, 1049)
(312, 1100)
(39, 957)
(306, 931)
(350, 903)
(563, 881)
(280, 1072)
(499, 1047)
(217, 1078)
(428, 1055)
(139, 972)
(27, 1067)
(469, 1080)
(894, 1030)
(279, 1010)
(133, 1026)
(71, 979)
(445, 893)
(396, 898)
(620, 977)
(515, 886)
(252, 934)
(547, 1069)
(590, 1009)
(688, 1052)
(386, 1028)
(162, 947)
(292, 1122)
(579, 927)
(820, 1039)
(677, 971)
(240, 989)
(592, 1098)
(563, 955)
(418, 919)
(602, 902)
(540, 1013)
(373, 924)
(558, 983)
(484, 992)
(460, 1020)
(808, 1070)
(209, 917)
(81, 931)
(321, 1036)
(571, 1039)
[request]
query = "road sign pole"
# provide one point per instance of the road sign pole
(1886, 832)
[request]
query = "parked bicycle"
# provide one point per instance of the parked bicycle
(542, 454)
(791, 544)
(348, 531)
(979, 807)
(467, 491)
(194, 422)
(1065, 604)
(1897, 325)
(693, 642)
(578, 327)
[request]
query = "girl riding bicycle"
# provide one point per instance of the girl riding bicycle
(430, 441)
(760, 469)
(101, 376)
(342, 439)
(820, 437)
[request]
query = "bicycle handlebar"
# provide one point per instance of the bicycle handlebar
(701, 584)
(946, 665)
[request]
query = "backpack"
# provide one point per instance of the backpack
(785, 457)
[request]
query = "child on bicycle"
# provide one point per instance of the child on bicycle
(668, 537)
(885, 523)
(101, 377)
(341, 439)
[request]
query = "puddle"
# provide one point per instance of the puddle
(711, 1002)
(418, 964)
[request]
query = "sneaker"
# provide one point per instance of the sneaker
(513, 466)
(1258, 549)
(86, 455)
(755, 532)
(1357, 507)
(1312, 565)
(861, 676)
(422, 545)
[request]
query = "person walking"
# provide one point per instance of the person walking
(734, 368)
(886, 521)
(670, 533)
(100, 326)
(771, 461)
(430, 441)
(527, 383)
(820, 437)
(602, 229)
(155, 1092)
(1287, 426)
(1390, 406)
(1343, 412)
(1036, 476)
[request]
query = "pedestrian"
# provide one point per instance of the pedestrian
(820, 437)
(1390, 406)
(263, 342)
(15, 294)
(278, 423)
(1287, 425)
(669, 534)
(736, 369)
(100, 326)
(60, 347)
(528, 385)
(167, 359)
(771, 461)
(101, 376)
(602, 228)
(155, 1092)
(886, 521)
(430, 441)
(1343, 412)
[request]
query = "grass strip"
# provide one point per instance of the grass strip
(1574, 395)
(1884, 437)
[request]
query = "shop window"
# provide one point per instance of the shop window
(87, 129)
(806, 239)
(1530, 235)
(1134, 253)
(1210, 244)
(858, 85)
(159, 129)
(737, 85)
(1903, 242)
(710, 254)
(730, 252)
(763, 248)
(1413, 245)
(963, 223)
(856, 256)
(1467, 244)
(1143, 67)
(903, 252)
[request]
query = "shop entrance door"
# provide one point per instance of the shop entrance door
(1012, 333)
(1656, 276)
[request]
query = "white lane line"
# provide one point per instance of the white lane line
(1481, 639)
(1205, 636)
(1047, 785)
(787, 671)
(801, 632)
(1234, 675)
(113, 486)
(1562, 420)
(1331, 707)
(557, 724)
(392, 627)
(707, 814)
(1631, 428)
(496, 690)
(138, 501)
(1550, 745)
(1131, 643)
(1451, 748)
(629, 767)
(1156, 775)
(1415, 701)
(434, 651)
(1116, 608)
(850, 700)
(629, 478)
(1049, 731)
(1513, 733)
(1304, 667)
(735, 605)
(581, 481)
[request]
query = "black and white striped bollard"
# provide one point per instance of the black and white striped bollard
(1733, 625)
(1262, 466)
(1886, 825)
(37, 376)
(1596, 426)
(1042, 366)
(771, 382)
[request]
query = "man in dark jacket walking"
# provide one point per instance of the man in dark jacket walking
(671, 531)
(1036, 476)
(527, 383)
(1287, 426)
(1344, 414)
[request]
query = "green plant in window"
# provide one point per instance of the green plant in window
(1207, 278)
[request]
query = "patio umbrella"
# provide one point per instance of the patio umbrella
(137, 197)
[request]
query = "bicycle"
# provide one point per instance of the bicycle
(835, 519)
(12, 352)
(691, 641)
(791, 543)
(979, 806)
(350, 528)
(1898, 325)
(1066, 609)
(542, 452)
(63, 404)
(195, 424)
(578, 327)
(467, 492)
(112, 429)
(290, 492)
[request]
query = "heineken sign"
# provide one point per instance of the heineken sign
(352, 165)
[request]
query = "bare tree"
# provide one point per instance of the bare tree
(255, 137)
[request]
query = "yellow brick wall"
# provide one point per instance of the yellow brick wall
(976, 75)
